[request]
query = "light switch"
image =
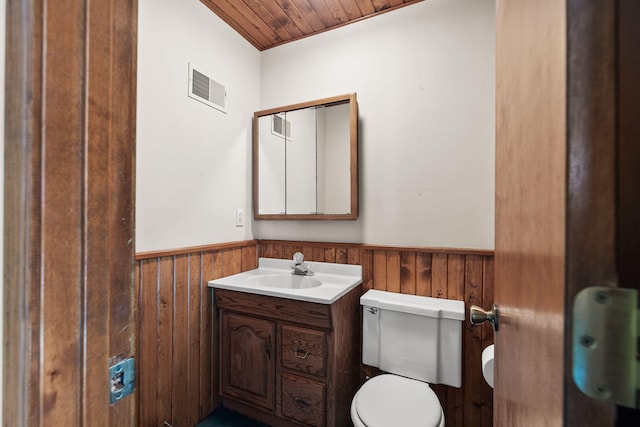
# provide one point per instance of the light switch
(239, 217)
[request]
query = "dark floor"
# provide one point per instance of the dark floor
(223, 417)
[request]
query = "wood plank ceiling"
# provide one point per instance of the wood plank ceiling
(269, 23)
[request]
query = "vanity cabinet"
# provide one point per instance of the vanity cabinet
(248, 359)
(286, 362)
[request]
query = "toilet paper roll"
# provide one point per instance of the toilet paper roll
(487, 364)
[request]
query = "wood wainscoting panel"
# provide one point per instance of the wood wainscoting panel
(460, 274)
(177, 332)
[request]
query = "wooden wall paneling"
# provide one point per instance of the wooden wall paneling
(456, 277)
(473, 381)
(366, 261)
(265, 250)
(179, 367)
(178, 372)
(217, 261)
(439, 272)
(194, 344)
(227, 262)
(342, 256)
(318, 254)
(393, 271)
(215, 330)
(288, 251)
(170, 289)
(330, 255)
(455, 397)
(232, 261)
(408, 273)
(249, 258)
(380, 270)
(208, 345)
(307, 250)
(164, 346)
(237, 261)
(353, 256)
(147, 273)
(276, 251)
(423, 274)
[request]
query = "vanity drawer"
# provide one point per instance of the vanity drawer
(304, 350)
(303, 399)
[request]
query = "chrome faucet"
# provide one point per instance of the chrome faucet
(299, 267)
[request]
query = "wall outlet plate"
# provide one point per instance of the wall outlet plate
(122, 379)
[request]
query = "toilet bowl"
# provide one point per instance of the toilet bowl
(415, 341)
(390, 400)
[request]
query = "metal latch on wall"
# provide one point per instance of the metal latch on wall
(122, 379)
(606, 328)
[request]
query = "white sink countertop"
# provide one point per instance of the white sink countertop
(336, 280)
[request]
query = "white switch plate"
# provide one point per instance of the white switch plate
(239, 217)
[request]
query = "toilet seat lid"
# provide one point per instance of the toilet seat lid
(391, 400)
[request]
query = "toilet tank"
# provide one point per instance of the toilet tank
(413, 336)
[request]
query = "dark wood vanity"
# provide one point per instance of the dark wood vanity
(288, 362)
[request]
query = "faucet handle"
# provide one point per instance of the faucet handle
(298, 258)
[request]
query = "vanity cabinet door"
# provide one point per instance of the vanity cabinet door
(248, 359)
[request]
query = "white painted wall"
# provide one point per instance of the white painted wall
(424, 76)
(193, 162)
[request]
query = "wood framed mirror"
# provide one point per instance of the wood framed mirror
(305, 160)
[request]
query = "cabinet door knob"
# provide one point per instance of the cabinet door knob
(300, 353)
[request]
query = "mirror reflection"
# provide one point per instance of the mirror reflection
(305, 160)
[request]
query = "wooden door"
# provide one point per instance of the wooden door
(560, 191)
(248, 360)
(69, 210)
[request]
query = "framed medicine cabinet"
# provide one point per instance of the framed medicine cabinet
(305, 160)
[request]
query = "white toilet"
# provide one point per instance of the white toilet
(415, 340)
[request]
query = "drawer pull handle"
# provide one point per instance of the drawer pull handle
(300, 354)
(301, 403)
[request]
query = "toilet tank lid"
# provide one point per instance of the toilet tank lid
(414, 304)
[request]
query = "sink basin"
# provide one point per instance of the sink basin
(286, 281)
(273, 278)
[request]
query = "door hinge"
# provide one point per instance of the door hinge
(606, 363)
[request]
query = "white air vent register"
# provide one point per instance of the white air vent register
(206, 90)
